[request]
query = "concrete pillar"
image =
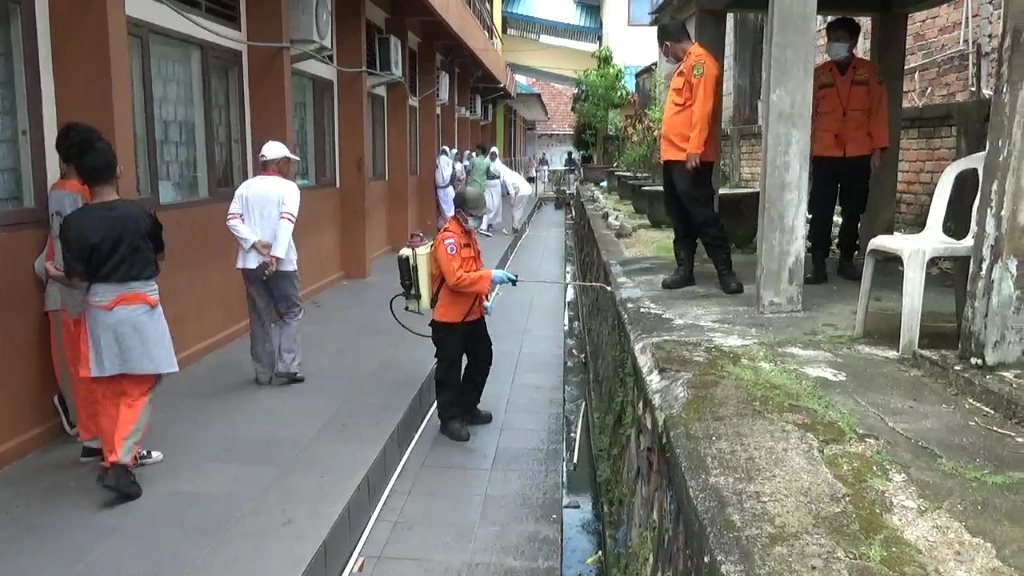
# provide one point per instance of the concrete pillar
(92, 77)
(709, 32)
(888, 52)
(994, 322)
(354, 133)
(449, 124)
(399, 212)
(788, 66)
(425, 193)
(475, 134)
(464, 136)
(270, 72)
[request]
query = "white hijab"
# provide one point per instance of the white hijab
(444, 167)
(497, 168)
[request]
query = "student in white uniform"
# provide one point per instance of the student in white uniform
(445, 178)
(262, 217)
(520, 190)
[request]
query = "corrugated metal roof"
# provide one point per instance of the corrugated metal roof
(566, 13)
(524, 89)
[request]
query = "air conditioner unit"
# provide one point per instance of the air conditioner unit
(389, 55)
(443, 81)
(312, 25)
(475, 106)
(462, 112)
(488, 114)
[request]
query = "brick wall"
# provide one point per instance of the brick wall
(927, 146)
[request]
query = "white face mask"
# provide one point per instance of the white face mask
(474, 222)
(838, 50)
(667, 66)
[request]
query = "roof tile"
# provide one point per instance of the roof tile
(558, 100)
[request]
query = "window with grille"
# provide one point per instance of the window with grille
(227, 12)
(313, 123)
(22, 167)
(188, 117)
(413, 73)
(372, 31)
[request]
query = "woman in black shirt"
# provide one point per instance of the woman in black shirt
(113, 247)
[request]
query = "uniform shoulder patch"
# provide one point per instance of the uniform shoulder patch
(451, 249)
(697, 71)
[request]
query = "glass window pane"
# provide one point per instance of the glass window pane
(225, 111)
(640, 12)
(139, 116)
(329, 152)
(15, 152)
(179, 120)
(414, 140)
(378, 137)
(302, 120)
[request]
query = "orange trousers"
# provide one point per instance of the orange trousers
(65, 349)
(122, 413)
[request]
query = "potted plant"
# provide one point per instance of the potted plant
(642, 144)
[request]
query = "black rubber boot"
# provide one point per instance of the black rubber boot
(848, 269)
(455, 430)
(683, 276)
(819, 269)
(727, 279)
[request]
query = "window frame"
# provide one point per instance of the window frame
(324, 140)
(629, 12)
(200, 13)
(380, 92)
(209, 51)
(37, 213)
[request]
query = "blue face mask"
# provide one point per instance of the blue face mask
(474, 222)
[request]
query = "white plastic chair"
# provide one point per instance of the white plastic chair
(916, 250)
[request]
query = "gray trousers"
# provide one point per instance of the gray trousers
(274, 341)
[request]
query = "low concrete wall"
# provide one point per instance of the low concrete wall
(648, 510)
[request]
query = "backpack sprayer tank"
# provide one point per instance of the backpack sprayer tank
(414, 273)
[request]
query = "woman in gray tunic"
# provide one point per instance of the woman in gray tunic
(112, 248)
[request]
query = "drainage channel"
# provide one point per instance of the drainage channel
(581, 521)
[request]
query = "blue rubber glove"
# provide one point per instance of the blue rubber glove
(487, 307)
(499, 277)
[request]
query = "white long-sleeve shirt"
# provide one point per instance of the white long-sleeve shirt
(265, 208)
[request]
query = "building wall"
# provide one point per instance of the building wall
(631, 45)
(342, 224)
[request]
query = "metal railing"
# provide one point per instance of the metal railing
(483, 11)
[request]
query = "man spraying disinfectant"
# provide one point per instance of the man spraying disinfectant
(460, 287)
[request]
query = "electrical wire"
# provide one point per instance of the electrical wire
(211, 30)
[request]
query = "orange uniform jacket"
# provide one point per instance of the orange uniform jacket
(459, 273)
(688, 125)
(851, 111)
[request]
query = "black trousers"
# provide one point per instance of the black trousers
(848, 180)
(690, 203)
(458, 391)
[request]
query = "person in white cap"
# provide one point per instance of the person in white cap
(262, 217)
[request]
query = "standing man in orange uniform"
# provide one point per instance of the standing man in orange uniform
(461, 286)
(849, 131)
(689, 150)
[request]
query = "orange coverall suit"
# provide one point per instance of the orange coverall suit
(850, 121)
(66, 328)
(689, 127)
(460, 286)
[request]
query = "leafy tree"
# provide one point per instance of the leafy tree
(600, 93)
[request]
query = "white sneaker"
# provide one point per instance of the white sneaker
(65, 415)
(148, 457)
(484, 233)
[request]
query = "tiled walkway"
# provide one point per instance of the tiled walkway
(255, 478)
(492, 506)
